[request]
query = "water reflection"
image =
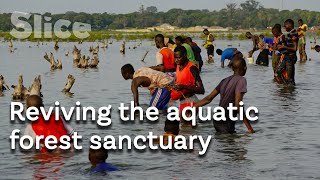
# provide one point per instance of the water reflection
(46, 165)
(233, 146)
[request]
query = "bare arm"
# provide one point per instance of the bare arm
(207, 99)
(159, 68)
(238, 98)
(136, 82)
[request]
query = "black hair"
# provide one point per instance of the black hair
(219, 51)
(127, 68)
(189, 39)
(277, 27)
(317, 46)
(159, 36)
(100, 155)
(300, 20)
(238, 62)
(205, 30)
(180, 49)
(172, 127)
(290, 21)
(261, 36)
(179, 38)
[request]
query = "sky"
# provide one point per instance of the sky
(126, 6)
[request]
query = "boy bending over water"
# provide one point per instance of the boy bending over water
(155, 81)
(231, 90)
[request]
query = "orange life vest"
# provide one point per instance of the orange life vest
(168, 58)
(183, 77)
(47, 128)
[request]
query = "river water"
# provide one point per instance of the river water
(286, 144)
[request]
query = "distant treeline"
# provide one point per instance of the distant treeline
(250, 14)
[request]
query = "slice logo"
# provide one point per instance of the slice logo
(24, 29)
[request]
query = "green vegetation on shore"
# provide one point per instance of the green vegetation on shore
(131, 36)
(248, 15)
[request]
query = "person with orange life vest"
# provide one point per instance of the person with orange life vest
(165, 57)
(56, 128)
(188, 81)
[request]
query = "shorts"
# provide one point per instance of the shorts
(160, 98)
(210, 50)
(227, 126)
(263, 58)
(171, 74)
(224, 127)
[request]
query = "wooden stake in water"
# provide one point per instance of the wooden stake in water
(145, 55)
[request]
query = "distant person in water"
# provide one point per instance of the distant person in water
(231, 90)
(263, 57)
(317, 48)
(277, 40)
(155, 81)
(230, 54)
(98, 159)
(182, 42)
(302, 40)
(255, 41)
(170, 43)
(209, 45)
(196, 51)
(165, 56)
(188, 81)
(171, 129)
(289, 48)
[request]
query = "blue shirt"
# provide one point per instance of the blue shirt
(104, 167)
(228, 54)
(268, 40)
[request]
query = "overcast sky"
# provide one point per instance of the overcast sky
(125, 6)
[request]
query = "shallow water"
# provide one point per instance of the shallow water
(286, 144)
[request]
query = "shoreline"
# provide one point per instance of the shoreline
(143, 34)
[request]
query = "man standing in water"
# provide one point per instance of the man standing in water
(188, 81)
(289, 47)
(231, 90)
(302, 40)
(196, 51)
(165, 56)
(182, 42)
(277, 40)
(209, 44)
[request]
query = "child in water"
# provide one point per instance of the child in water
(98, 159)
(171, 129)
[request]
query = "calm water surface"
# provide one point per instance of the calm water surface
(286, 144)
